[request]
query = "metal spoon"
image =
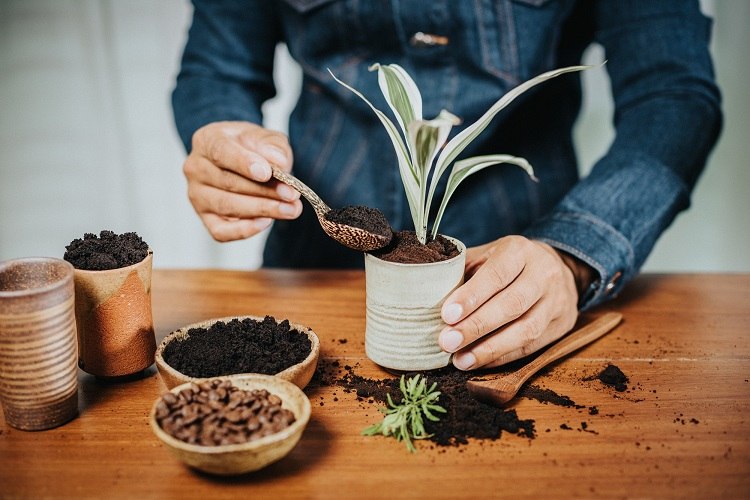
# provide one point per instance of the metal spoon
(502, 389)
(350, 236)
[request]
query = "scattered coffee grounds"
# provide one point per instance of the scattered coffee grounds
(106, 251)
(239, 346)
(370, 219)
(466, 417)
(217, 413)
(405, 248)
(542, 395)
(613, 376)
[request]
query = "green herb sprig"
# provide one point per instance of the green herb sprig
(405, 421)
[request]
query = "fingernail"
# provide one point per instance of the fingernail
(262, 223)
(451, 340)
(452, 313)
(286, 192)
(260, 172)
(288, 209)
(274, 154)
(464, 361)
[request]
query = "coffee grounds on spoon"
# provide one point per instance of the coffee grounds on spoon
(370, 219)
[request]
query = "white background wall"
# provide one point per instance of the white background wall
(87, 140)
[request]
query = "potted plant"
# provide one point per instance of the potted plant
(404, 300)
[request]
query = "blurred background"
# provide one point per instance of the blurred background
(87, 140)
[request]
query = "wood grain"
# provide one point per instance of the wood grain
(681, 430)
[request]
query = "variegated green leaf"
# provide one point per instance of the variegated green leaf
(401, 93)
(406, 169)
(456, 145)
(425, 138)
(464, 168)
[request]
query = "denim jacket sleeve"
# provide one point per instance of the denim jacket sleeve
(667, 118)
(233, 86)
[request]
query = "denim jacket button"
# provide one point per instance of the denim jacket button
(420, 39)
(612, 283)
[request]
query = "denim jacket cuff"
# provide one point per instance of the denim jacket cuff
(594, 242)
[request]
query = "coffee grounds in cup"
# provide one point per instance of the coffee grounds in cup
(215, 413)
(106, 251)
(238, 346)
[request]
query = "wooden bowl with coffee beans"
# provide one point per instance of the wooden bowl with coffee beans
(231, 425)
(238, 345)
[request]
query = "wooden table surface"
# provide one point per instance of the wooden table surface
(682, 430)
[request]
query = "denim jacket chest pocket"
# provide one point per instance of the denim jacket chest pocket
(516, 39)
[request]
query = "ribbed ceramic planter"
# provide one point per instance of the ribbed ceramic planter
(38, 373)
(115, 325)
(403, 310)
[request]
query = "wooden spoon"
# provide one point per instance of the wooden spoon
(350, 236)
(502, 389)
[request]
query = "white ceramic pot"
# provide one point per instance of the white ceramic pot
(403, 310)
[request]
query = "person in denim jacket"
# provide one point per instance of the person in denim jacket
(539, 252)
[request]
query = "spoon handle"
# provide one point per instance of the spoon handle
(570, 343)
(319, 205)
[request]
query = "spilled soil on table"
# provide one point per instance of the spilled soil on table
(466, 417)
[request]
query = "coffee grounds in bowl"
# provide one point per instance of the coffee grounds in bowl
(106, 251)
(238, 346)
(215, 413)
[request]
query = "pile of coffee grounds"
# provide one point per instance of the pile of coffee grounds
(370, 219)
(239, 346)
(106, 251)
(405, 248)
(466, 417)
(613, 376)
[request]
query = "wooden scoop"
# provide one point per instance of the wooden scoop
(350, 236)
(500, 390)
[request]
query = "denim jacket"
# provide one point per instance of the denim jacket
(463, 56)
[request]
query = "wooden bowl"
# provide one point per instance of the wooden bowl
(235, 459)
(299, 374)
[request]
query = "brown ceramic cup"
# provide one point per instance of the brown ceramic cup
(115, 325)
(38, 373)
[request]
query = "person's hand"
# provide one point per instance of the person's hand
(229, 179)
(520, 296)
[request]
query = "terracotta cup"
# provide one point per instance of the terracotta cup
(403, 310)
(115, 325)
(38, 373)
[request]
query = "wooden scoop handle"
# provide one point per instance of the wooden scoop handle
(502, 389)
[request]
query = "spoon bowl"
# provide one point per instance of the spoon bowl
(500, 390)
(350, 236)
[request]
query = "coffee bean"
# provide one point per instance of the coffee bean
(216, 413)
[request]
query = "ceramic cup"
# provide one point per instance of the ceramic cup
(38, 352)
(403, 310)
(115, 325)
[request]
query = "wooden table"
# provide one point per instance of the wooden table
(683, 429)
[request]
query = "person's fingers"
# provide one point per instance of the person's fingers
(505, 306)
(243, 148)
(514, 341)
(202, 171)
(223, 229)
(501, 266)
(272, 146)
(208, 199)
